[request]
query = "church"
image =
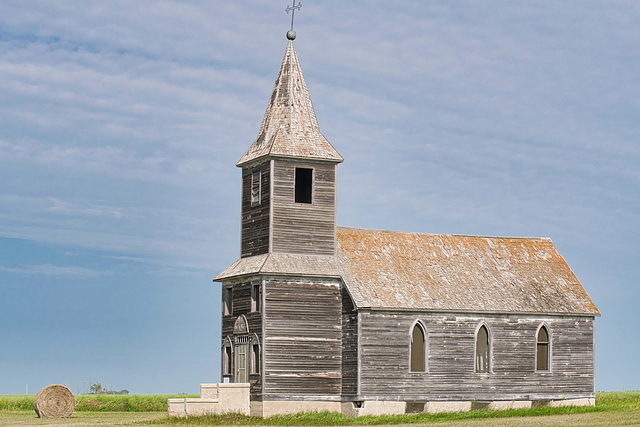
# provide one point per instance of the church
(359, 321)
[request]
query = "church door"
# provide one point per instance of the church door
(241, 363)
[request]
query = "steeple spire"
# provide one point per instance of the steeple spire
(289, 127)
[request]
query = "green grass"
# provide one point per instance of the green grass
(16, 403)
(618, 400)
(335, 419)
(100, 402)
(605, 402)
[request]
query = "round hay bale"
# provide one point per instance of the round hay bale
(54, 401)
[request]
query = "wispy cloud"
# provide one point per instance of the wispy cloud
(75, 272)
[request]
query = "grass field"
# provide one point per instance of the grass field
(100, 402)
(612, 408)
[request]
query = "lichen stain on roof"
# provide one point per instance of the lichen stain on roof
(387, 269)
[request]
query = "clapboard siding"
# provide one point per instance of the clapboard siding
(349, 346)
(299, 227)
(255, 219)
(450, 375)
(302, 339)
(241, 305)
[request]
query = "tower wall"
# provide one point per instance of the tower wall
(254, 238)
(304, 228)
(302, 344)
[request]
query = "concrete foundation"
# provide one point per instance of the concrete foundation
(373, 407)
(234, 398)
(509, 404)
(456, 406)
(572, 402)
(214, 399)
(270, 408)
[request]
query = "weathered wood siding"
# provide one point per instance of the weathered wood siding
(349, 346)
(302, 340)
(299, 227)
(254, 238)
(241, 305)
(385, 344)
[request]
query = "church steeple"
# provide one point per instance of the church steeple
(290, 127)
(289, 174)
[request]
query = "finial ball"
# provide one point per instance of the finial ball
(291, 35)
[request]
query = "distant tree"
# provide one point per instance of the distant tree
(125, 391)
(96, 388)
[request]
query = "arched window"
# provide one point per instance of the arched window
(417, 348)
(255, 354)
(542, 349)
(482, 350)
(227, 357)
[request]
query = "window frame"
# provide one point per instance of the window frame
(418, 324)
(548, 344)
(256, 355)
(256, 297)
(255, 193)
(295, 185)
(227, 301)
(227, 358)
(489, 356)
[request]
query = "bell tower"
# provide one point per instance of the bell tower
(286, 283)
(289, 174)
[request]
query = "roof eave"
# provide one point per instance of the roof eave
(272, 274)
(265, 157)
(470, 311)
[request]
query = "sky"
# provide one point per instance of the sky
(121, 123)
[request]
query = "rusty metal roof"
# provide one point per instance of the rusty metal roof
(416, 271)
(289, 127)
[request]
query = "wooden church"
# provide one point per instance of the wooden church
(359, 321)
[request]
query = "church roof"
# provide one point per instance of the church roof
(417, 271)
(289, 127)
(437, 272)
(283, 264)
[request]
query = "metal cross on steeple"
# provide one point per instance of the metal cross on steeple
(293, 11)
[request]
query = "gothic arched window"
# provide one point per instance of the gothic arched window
(227, 357)
(482, 350)
(418, 348)
(542, 349)
(255, 354)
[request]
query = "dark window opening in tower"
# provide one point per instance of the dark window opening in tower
(303, 185)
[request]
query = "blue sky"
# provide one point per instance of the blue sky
(121, 122)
